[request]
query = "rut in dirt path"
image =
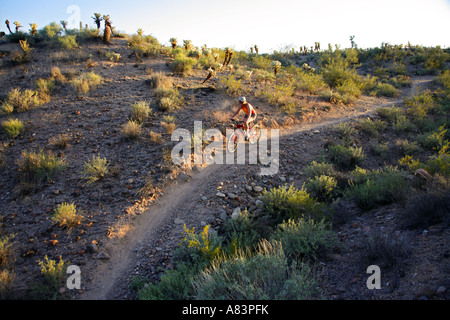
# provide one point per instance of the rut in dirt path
(180, 196)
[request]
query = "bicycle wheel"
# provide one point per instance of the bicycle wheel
(232, 142)
(255, 134)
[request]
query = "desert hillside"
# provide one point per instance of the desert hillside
(87, 177)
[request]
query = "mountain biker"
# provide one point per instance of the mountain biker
(250, 114)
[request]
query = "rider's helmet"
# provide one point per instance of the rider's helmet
(242, 100)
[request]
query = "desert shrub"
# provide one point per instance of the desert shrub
(155, 137)
(37, 166)
(168, 99)
(131, 130)
(385, 90)
(67, 42)
(421, 105)
(433, 140)
(315, 169)
(230, 85)
(169, 126)
(144, 45)
(51, 31)
(86, 82)
(60, 141)
(264, 275)
(159, 80)
(305, 239)
(290, 203)
(65, 215)
(7, 255)
(261, 62)
(380, 149)
(140, 111)
(243, 230)
(389, 114)
(436, 59)
(321, 186)
(427, 209)
(263, 76)
(406, 147)
(95, 169)
(345, 130)
(183, 64)
(403, 125)
(279, 95)
(13, 127)
(54, 275)
(19, 101)
(346, 157)
(6, 280)
(384, 250)
(310, 82)
(371, 127)
(369, 189)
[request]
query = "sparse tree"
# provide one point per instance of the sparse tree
(187, 44)
(97, 19)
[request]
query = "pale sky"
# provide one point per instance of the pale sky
(272, 25)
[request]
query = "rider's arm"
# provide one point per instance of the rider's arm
(234, 115)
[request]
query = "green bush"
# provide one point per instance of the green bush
(13, 127)
(389, 114)
(261, 276)
(346, 157)
(67, 42)
(183, 64)
(322, 187)
(369, 189)
(403, 124)
(19, 101)
(290, 203)
(95, 169)
(243, 230)
(371, 127)
(305, 239)
(230, 85)
(315, 169)
(36, 166)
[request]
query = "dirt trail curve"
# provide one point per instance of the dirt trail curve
(181, 198)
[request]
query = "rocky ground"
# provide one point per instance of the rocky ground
(123, 235)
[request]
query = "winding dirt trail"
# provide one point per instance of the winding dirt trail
(180, 197)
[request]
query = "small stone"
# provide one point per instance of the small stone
(204, 198)
(178, 221)
(232, 196)
(236, 213)
(441, 290)
(103, 256)
(257, 189)
(220, 194)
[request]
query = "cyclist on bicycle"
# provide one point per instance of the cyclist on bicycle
(250, 114)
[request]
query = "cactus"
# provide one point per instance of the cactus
(173, 42)
(97, 18)
(18, 25)
(107, 34)
(7, 25)
(187, 44)
(256, 49)
(33, 29)
(64, 25)
(276, 65)
(211, 74)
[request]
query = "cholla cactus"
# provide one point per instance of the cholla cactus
(7, 25)
(307, 68)
(173, 42)
(256, 49)
(211, 73)
(187, 44)
(64, 25)
(276, 65)
(216, 56)
(25, 46)
(97, 19)
(18, 25)
(228, 55)
(140, 32)
(33, 29)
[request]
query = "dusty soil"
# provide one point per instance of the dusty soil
(124, 235)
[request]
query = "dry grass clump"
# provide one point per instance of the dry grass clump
(19, 101)
(131, 130)
(140, 111)
(159, 80)
(65, 215)
(95, 169)
(86, 82)
(13, 127)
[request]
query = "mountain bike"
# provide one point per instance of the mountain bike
(254, 134)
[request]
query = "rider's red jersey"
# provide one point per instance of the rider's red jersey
(245, 107)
